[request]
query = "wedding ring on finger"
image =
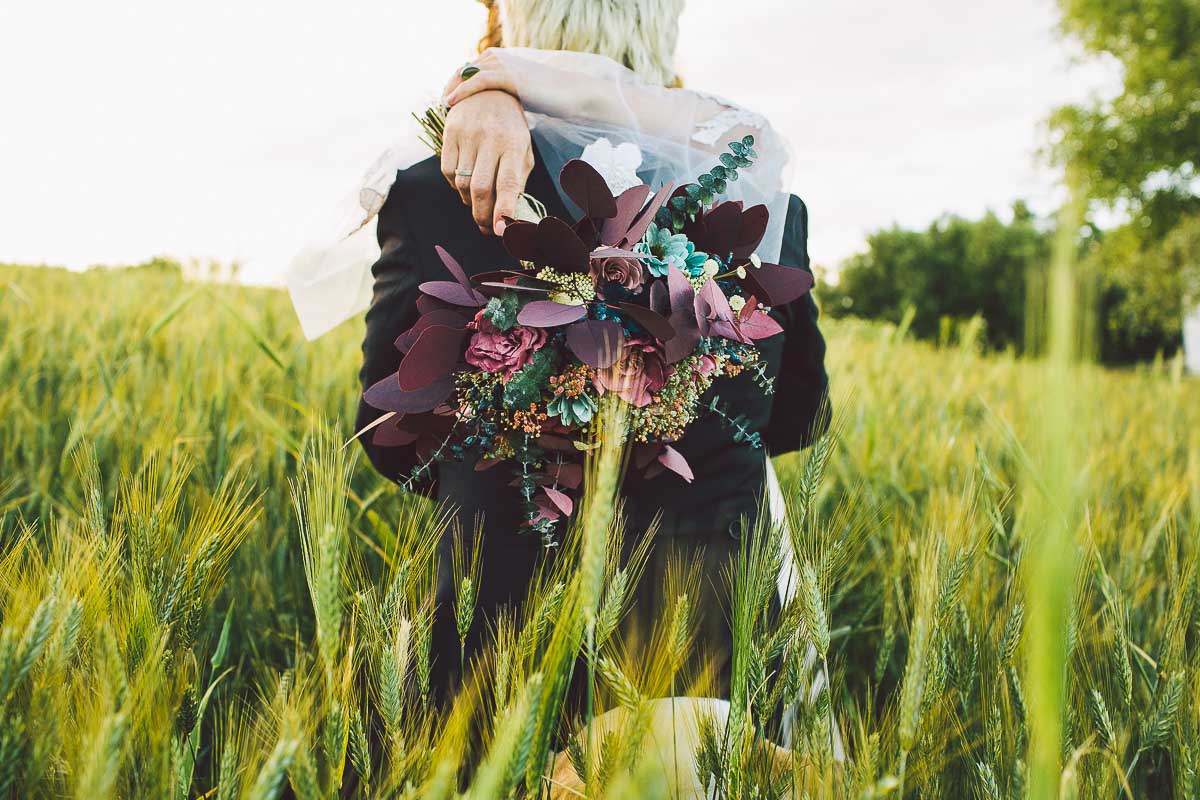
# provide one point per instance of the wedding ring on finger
(463, 173)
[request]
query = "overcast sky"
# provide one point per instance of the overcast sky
(227, 130)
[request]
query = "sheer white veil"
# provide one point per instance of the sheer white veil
(578, 105)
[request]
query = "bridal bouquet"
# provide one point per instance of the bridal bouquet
(649, 299)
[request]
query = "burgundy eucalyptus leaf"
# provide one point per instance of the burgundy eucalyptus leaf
(644, 454)
(568, 474)
(673, 460)
(549, 314)
(754, 225)
(439, 316)
(638, 229)
(660, 298)
(560, 247)
(777, 285)
(546, 510)
(712, 304)
(719, 229)
(485, 464)
(587, 232)
(521, 240)
(628, 205)
(453, 267)
(586, 187)
(433, 356)
(427, 304)
(597, 343)
(452, 293)
(386, 395)
(681, 290)
(726, 329)
(560, 444)
(655, 324)
(389, 435)
(748, 309)
(759, 325)
(564, 503)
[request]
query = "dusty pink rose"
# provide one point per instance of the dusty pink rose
(640, 374)
(707, 365)
(494, 350)
(628, 272)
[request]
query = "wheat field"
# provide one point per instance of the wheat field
(204, 595)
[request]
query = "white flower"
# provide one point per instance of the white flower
(711, 268)
(741, 272)
(617, 165)
(755, 260)
(737, 303)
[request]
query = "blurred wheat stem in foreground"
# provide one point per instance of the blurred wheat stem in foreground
(1051, 512)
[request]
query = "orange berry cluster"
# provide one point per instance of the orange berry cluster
(574, 381)
(529, 421)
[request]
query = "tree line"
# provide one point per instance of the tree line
(1136, 154)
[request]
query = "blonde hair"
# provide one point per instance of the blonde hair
(641, 34)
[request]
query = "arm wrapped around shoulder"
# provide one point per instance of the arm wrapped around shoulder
(800, 412)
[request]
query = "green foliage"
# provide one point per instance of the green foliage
(684, 207)
(1139, 153)
(524, 388)
(952, 271)
(1143, 146)
(502, 310)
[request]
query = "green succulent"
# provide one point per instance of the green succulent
(573, 411)
(663, 249)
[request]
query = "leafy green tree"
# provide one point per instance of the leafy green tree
(1139, 153)
(952, 271)
(1141, 148)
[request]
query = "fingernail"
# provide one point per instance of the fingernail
(500, 226)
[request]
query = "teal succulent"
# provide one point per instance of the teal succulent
(663, 249)
(573, 411)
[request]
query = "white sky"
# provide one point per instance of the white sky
(227, 130)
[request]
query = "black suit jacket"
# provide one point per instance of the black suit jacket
(422, 211)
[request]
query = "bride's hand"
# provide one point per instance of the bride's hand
(491, 75)
(487, 156)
